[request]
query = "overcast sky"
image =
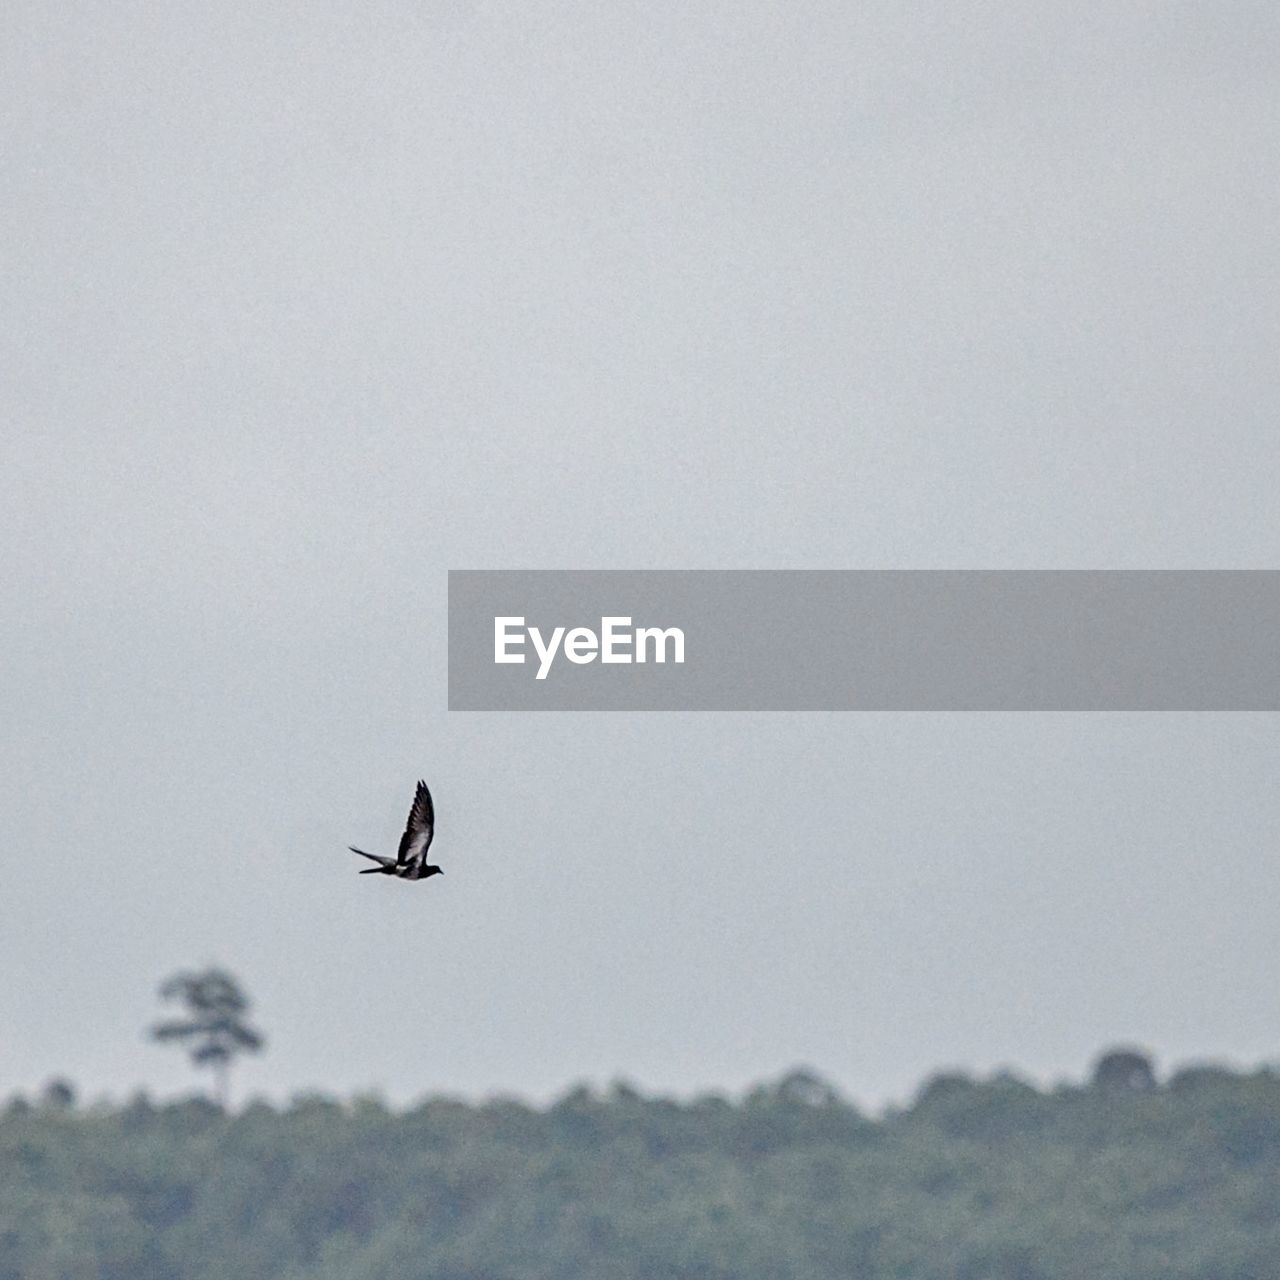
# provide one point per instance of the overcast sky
(306, 304)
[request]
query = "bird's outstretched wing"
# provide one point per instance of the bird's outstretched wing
(421, 827)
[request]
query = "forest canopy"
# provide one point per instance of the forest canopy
(1123, 1178)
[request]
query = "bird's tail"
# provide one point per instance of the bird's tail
(372, 871)
(373, 857)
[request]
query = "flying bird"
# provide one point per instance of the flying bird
(410, 863)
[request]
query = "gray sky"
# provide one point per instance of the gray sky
(305, 305)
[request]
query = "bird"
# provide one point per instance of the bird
(410, 863)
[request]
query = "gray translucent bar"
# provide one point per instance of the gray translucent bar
(882, 640)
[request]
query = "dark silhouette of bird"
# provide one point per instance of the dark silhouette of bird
(410, 863)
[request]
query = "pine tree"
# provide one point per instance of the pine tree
(214, 1026)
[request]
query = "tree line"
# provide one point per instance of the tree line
(1124, 1177)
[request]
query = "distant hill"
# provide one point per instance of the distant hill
(1125, 1179)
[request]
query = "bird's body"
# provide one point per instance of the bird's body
(410, 862)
